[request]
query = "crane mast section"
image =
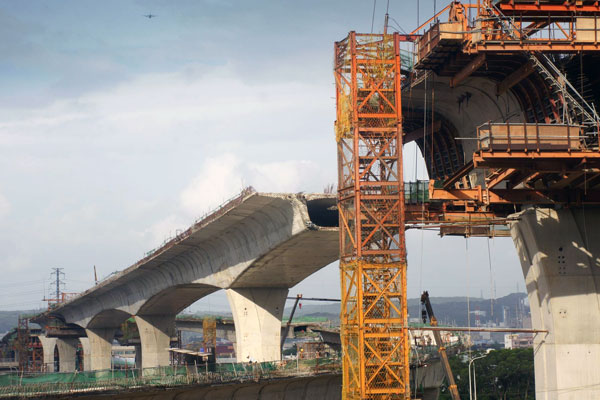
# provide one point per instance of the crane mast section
(371, 209)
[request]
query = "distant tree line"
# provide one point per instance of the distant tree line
(501, 375)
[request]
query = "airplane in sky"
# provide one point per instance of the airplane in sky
(150, 16)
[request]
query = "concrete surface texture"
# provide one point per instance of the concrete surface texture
(48, 346)
(559, 252)
(325, 386)
(257, 314)
(67, 354)
(256, 246)
(481, 105)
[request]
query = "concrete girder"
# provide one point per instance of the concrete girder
(559, 252)
(215, 254)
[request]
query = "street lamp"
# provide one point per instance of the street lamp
(474, 377)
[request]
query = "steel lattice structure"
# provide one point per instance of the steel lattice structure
(371, 208)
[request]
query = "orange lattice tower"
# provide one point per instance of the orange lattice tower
(371, 208)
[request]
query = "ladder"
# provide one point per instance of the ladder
(550, 73)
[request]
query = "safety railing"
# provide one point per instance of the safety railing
(36, 385)
(416, 192)
(530, 137)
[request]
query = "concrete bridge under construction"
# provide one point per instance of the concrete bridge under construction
(508, 143)
(255, 247)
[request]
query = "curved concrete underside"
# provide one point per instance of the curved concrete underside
(255, 247)
(258, 240)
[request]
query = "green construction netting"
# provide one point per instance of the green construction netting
(416, 192)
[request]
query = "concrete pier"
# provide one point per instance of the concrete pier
(67, 354)
(257, 313)
(559, 252)
(100, 345)
(155, 335)
(48, 346)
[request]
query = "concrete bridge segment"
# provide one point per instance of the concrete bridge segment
(559, 252)
(255, 247)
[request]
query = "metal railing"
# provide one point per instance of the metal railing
(35, 385)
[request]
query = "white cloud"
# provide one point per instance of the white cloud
(4, 206)
(165, 229)
(222, 177)
(18, 263)
(286, 176)
(218, 179)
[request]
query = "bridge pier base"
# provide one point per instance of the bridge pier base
(48, 345)
(67, 354)
(257, 314)
(138, 356)
(100, 348)
(85, 348)
(559, 252)
(155, 336)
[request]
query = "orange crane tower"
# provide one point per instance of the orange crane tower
(371, 209)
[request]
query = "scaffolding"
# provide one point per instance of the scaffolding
(373, 316)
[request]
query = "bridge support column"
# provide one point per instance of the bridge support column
(85, 348)
(559, 252)
(257, 315)
(67, 354)
(48, 345)
(155, 335)
(100, 345)
(138, 356)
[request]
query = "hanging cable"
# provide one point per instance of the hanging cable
(468, 293)
(373, 17)
(491, 279)
(418, 13)
(433, 169)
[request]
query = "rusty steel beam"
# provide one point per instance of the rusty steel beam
(462, 172)
(467, 70)
(500, 177)
(514, 78)
(516, 196)
(533, 9)
(559, 46)
(418, 133)
(476, 329)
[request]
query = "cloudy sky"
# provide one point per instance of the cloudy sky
(116, 130)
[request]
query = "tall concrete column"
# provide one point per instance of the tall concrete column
(67, 354)
(138, 356)
(155, 335)
(559, 252)
(85, 349)
(100, 344)
(257, 314)
(48, 346)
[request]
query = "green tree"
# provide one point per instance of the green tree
(501, 375)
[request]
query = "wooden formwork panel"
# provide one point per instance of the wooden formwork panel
(502, 137)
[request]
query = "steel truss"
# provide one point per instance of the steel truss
(371, 208)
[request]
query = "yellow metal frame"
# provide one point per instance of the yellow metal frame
(371, 207)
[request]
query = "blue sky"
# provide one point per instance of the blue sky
(117, 130)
